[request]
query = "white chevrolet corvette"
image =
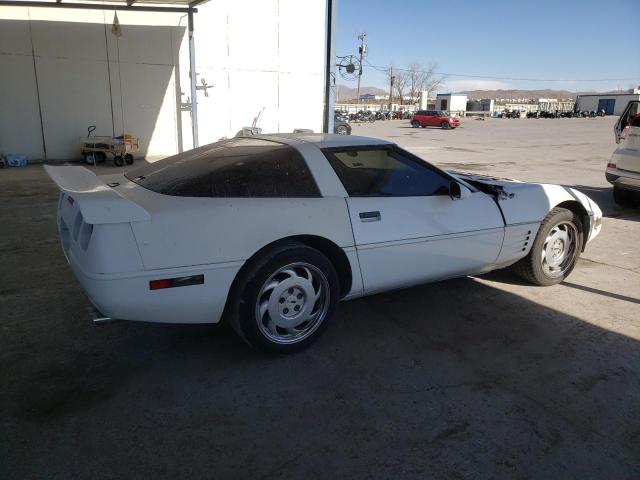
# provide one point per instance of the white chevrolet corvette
(270, 232)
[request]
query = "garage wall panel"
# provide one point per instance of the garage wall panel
(148, 94)
(69, 40)
(253, 38)
(299, 105)
(214, 110)
(14, 34)
(146, 44)
(73, 95)
(246, 105)
(19, 117)
(302, 33)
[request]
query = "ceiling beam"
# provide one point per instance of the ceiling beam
(97, 6)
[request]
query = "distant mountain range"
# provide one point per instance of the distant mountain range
(346, 93)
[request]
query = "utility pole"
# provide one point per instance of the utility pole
(363, 53)
(392, 79)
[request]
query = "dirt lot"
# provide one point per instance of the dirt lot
(469, 378)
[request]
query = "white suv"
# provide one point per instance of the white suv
(623, 170)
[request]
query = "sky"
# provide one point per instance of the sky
(566, 40)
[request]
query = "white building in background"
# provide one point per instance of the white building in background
(371, 96)
(451, 102)
(252, 57)
(612, 103)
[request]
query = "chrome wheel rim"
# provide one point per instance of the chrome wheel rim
(292, 303)
(559, 249)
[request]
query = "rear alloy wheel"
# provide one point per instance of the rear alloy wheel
(555, 250)
(415, 124)
(342, 130)
(445, 125)
(286, 299)
(622, 197)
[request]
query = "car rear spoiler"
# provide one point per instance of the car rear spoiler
(98, 202)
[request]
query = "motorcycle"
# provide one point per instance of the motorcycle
(365, 116)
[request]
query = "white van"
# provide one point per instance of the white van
(623, 170)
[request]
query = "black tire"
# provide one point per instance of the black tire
(89, 158)
(445, 125)
(118, 161)
(342, 130)
(415, 124)
(530, 267)
(623, 198)
(242, 306)
(128, 159)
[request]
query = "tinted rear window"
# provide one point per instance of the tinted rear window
(240, 167)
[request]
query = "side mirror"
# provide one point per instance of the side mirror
(457, 191)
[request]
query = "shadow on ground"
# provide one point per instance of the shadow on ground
(458, 379)
(603, 196)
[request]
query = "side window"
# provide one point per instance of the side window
(241, 167)
(385, 172)
(421, 112)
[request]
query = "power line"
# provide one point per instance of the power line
(490, 77)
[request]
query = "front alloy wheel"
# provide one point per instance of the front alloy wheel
(559, 253)
(555, 250)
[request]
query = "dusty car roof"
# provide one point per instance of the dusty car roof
(324, 140)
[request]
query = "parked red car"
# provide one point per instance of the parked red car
(434, 118)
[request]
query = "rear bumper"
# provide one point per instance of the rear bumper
(623, 179)
(127, 296)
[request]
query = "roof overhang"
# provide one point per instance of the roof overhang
(176, 6)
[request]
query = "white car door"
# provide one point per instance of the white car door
(407, 227)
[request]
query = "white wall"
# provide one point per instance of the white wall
(455, 103)
(258, 55)
(458, 103)
(590, 102)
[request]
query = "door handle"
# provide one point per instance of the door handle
(370, 216)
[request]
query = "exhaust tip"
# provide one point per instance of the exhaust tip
(99, 318)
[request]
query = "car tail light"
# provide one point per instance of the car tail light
(176, 282)
(611, 165)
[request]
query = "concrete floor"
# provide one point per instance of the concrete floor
(468, 378)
